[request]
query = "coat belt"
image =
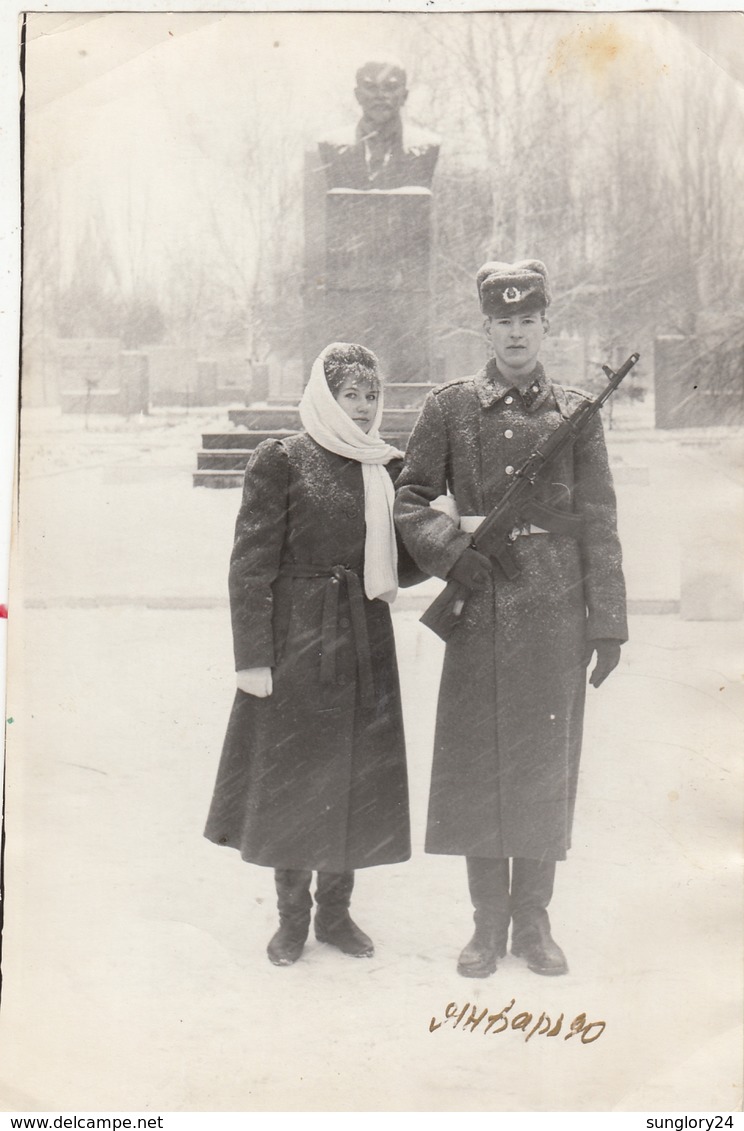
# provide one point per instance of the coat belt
(340, 577)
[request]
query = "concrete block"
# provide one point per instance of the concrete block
(698, 384)
(173, 376)
(135, 384)
(87, 363)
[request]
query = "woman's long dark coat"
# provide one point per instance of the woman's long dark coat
(314, 776)
(511, 701)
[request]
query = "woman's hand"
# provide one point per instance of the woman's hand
(255, 681)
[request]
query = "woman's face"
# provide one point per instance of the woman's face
(359, 400)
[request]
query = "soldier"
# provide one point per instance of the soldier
(382, 152)
(511, 700)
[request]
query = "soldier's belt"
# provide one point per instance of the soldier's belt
(535, 518)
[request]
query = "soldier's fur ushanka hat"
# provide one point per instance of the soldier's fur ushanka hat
(513, 288)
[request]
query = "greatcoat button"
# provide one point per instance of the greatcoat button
(508, 433)
(508, 400)
(344, 622)
(352, 512)
(535, 388)
(509, 470)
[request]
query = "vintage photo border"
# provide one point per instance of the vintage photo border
(10, 199)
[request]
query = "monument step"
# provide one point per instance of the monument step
(218, 479)
(244, 440)
(247, 441)
(223, 459)
(272, 417)
(227, 443)
(266, 417)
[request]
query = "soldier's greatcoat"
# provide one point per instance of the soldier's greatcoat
(314, 776)
(511, 701)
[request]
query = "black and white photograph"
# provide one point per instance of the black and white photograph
(374, 708)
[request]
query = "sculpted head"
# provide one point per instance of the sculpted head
(381, 90)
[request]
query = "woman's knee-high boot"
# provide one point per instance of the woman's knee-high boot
(295, 903)
(333, 924)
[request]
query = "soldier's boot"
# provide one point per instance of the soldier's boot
(532, 889)
(488, 881)
(333, 924)
(295, 904)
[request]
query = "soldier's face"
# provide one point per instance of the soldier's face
(359, 400)
(516, 342)
(381, 91)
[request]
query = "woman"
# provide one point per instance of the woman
(313, 773)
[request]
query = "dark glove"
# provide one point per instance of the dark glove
(608, 657)
(471, 569)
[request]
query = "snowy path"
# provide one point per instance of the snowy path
(134, 965)
(135, 972)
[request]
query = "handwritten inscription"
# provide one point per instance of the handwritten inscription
(485, 1021)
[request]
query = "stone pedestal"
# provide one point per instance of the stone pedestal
(376, 279)
(367, 279)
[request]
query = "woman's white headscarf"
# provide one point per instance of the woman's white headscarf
(324, 419)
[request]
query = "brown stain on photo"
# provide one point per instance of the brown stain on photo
(606, 55)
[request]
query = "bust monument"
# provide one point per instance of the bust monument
(383, 151)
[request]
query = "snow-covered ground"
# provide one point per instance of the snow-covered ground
(135, 974)
(110, 513)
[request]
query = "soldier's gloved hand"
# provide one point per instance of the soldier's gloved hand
(255, 681)
(471, 569)
(608, 657)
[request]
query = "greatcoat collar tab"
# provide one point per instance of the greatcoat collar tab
(491, 386)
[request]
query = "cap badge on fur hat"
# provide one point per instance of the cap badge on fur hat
(512, 294)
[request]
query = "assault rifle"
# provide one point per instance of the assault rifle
(496, 535)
